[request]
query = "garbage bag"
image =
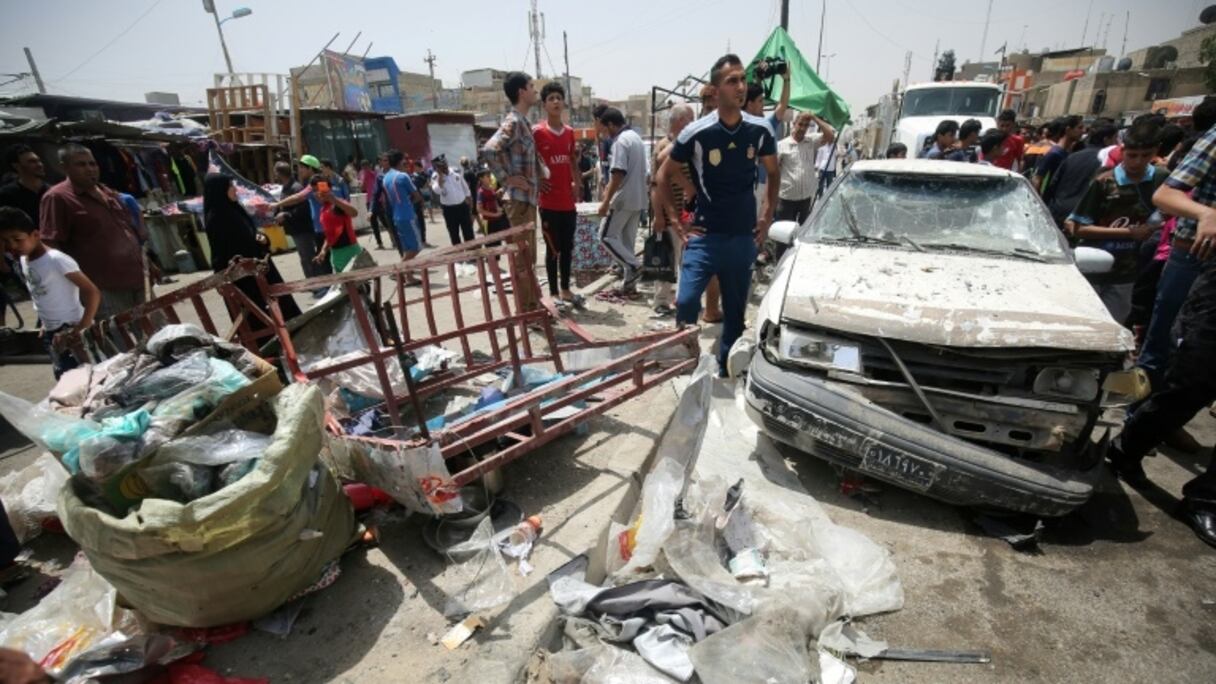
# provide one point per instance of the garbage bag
(768, 648)
(182, 482)
(78, 615)
(235, 554)
(116, 444)
(216, 449)
(173, 415)
(53, 432)
(483, 579)
(29, 495)
(168, 381)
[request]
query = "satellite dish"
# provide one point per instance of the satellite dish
(1158, 56)
(1208, 15)
(1125, 64)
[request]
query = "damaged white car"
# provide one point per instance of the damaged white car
(929, 327)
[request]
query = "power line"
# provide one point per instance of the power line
(115, 39)
(883, 35)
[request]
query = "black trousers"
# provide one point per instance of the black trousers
(558, 228)
(794, 210)
(420, 214)
(459, 220)
(1190, 386)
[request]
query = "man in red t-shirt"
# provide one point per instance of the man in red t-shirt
(1011, 152)
(555, 147)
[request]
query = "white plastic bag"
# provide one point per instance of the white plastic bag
(219, 448)
(77, 616)
(483, 579)
(29, 495)
(416, 477)
(53, 432)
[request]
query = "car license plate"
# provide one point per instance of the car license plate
(906, 469)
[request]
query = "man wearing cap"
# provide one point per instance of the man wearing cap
(313, 165)
(456, 199)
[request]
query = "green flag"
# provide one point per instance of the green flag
(808, 92)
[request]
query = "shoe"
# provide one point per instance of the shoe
(1202, 521)
(1129, 470)
(1182, 440)
(662, 311)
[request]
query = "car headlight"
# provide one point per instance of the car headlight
(1072, 383)
(818, 351)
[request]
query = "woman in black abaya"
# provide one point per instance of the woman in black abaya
(232, 234)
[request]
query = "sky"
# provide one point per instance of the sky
(123, 48)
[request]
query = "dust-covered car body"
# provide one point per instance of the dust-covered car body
(930, 328)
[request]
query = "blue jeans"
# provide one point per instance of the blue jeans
(729, 257)
(1181, 270)
(826, 178)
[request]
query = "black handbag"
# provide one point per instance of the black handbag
(658, 259)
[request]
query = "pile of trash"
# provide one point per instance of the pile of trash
(700, 582)
(196, 485)
(133, 426)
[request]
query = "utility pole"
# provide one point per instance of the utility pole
(822, 16)
(1126, 20)
(430, 62)
(534, 24)
(785, 15)
(984, 35)
(223, 43)
(29, 57)
(1084, 33)
(936, 47)
(569, 93)
(908, 67)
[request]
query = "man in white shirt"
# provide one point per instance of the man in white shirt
(455, 198)
(796, 156)
(825, 164)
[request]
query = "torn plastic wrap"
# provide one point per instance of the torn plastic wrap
(602, 665)
(78, 615)
(29, 495)
(53, 432)
(664, 486)
(770, 647)
(483, 580)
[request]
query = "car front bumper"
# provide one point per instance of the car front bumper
(836, 423)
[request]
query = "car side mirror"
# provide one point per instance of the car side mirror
(1092, 260)
(782, 232)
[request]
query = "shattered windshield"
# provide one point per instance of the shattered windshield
(918, 212)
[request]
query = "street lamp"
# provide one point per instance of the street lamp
(209, 6)
(827, 72)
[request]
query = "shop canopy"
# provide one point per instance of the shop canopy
(808, 92)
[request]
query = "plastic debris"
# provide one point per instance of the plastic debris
(30, 495)
(122, 657)
(603, 665)
(75, 617)
(519, 541)
(483, 580)
(769, 648)
(280, 622)
(461, 632)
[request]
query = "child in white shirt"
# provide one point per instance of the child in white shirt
(64, 298)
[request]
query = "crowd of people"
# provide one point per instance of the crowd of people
(712, 186)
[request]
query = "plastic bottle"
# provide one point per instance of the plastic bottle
(526, 532)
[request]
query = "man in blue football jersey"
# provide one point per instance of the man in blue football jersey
(722, 149)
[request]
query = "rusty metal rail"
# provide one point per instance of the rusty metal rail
(393, 322)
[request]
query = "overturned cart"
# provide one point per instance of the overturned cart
(376, 341)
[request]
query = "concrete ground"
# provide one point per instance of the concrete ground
(1122, 591)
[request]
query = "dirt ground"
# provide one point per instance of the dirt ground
(1121, 591)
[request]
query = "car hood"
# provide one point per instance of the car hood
(949, 299)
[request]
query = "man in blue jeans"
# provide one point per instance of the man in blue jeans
(723, 149)
(1181, 268)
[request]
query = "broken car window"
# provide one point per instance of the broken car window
(921, 212)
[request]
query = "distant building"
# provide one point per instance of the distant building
(1172, 69)
(482, 93)
(156, 97)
